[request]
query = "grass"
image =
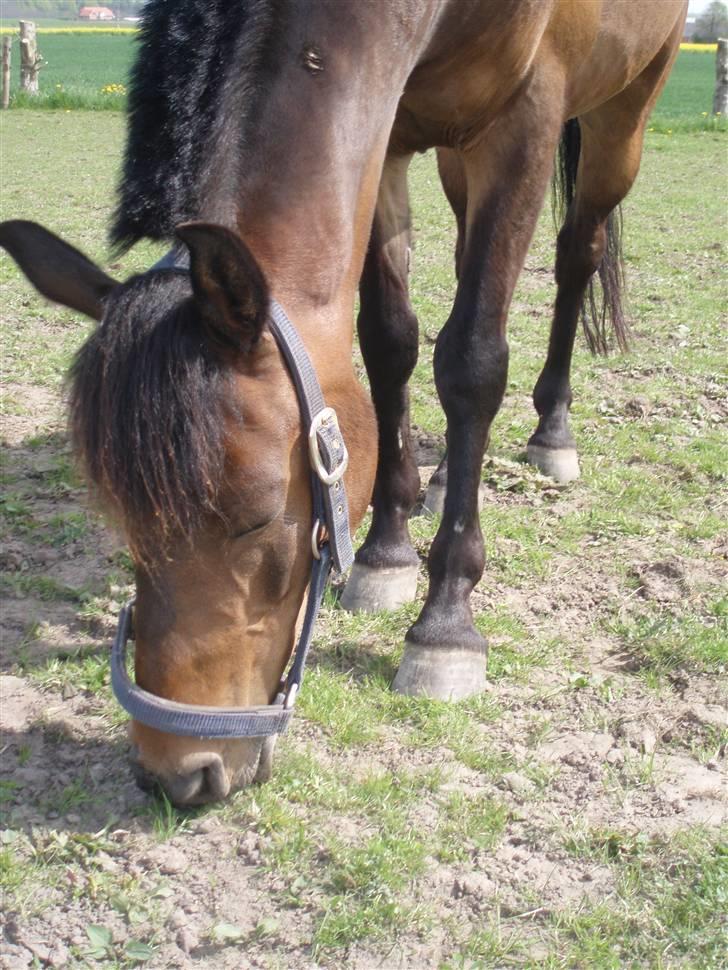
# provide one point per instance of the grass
(374, 793)
(664, 642)
(670, 905)
(80, 71)
(470, 824)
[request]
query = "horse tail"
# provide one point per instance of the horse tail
(597, 315)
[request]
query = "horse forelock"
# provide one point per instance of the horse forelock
(148, 409)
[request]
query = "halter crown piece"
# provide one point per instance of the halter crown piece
(330, 546)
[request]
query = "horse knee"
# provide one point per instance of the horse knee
(389, 343)
(471, 372)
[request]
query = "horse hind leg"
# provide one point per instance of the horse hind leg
(384, 575)
(580, 251)
(608, 162)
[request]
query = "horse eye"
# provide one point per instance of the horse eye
(243, 533)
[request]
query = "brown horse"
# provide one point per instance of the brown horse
(273, 138)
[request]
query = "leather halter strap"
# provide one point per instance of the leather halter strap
(330, 546)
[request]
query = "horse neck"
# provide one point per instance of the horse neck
(305, 195)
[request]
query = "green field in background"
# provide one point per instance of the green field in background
(78, 67)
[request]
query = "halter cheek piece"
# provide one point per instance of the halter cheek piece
(330, 546)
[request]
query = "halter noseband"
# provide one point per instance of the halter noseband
(330, 545)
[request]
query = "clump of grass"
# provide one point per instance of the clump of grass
(44, 587)
(667, 642)
(669, 905)
(72, 99)
(470, 824)
(85, 670)
(367, 882)
(167, 820)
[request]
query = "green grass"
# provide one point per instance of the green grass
(470, 824)
(664, 642)
(77, 67)
(88, 672)
(365, 801)
(689, 90)
(670, 906)
(65, 23)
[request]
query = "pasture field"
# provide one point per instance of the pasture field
(81, 64)
(76, 70)
(574, 816)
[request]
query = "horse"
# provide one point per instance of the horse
(268, 143)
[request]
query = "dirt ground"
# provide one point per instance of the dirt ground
(616, 757)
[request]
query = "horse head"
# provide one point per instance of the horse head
(186, 421)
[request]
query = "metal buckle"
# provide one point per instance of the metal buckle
(316, 539)
(326, 416)
(290, 698)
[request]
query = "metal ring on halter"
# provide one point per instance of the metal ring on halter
(316, 539)
(326, 418)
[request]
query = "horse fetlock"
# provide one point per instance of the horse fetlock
(371, 589)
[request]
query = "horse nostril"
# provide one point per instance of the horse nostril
(144, 779)
(207, 783)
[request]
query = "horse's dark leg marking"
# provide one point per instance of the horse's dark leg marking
(445, 656)
(611, 150)
(385, 573)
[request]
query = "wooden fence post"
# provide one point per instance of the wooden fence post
(7, 47)
(30, 59)
(720, 98)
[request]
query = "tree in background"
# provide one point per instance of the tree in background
(39, 9)
(712, 23)
(63, 9)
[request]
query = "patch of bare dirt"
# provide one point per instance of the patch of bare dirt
(585, 747)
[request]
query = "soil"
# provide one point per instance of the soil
(612, 755)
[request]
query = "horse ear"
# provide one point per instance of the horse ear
(58, 271)
(229, 287)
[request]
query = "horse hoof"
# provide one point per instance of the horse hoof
(445, 673)
(561, 464)
(369, 590)
(434, 503)
(434, 499)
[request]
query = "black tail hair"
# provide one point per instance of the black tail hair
(596, 315)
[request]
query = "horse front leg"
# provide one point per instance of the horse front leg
(445, 656)
(384, 575)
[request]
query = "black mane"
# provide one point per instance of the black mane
(192, 92)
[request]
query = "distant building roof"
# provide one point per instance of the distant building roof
(96, 13)
(689, 31)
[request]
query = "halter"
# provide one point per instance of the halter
(330, 546)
